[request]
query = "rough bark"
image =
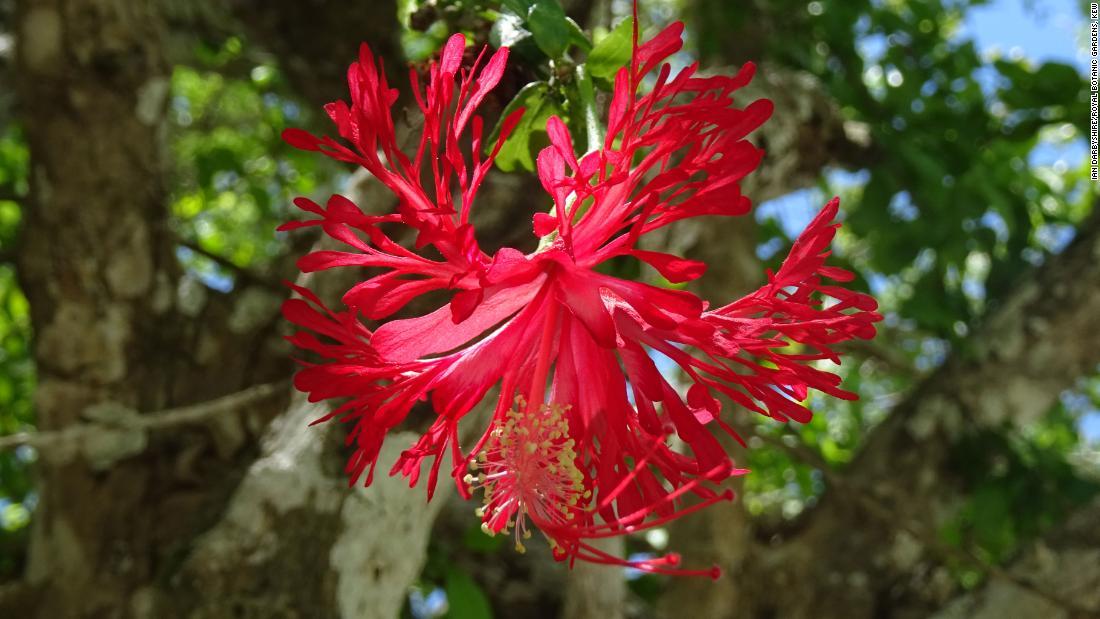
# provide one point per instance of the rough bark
(806, 134)
(295, 527)
(296, 541)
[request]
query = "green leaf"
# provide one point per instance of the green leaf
(419, 46)
(508, 31)
(465, 599)
(577, 36)
(539, 107)
(550, 27)
(611, 52)
(586, 95)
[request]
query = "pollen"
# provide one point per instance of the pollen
(529, 471)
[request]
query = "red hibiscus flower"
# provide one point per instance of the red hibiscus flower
(578, 446)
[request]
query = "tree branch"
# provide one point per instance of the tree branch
(806, 134)
(132, 421)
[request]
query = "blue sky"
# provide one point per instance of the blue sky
(1042, 29)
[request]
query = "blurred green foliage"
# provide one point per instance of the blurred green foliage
(953, 208)
(17, 377)
(234, 177)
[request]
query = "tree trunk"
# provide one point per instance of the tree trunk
(117, 330)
